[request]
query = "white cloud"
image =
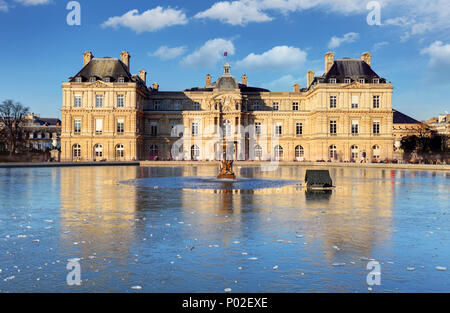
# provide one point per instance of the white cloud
(379, 45)
(439, 62)
(335, 41)
(209, 54)
(166, 53)
(33, 2)
(235, 13)
(280, 58)
(3, 6)
(439, 53)
(148, 21)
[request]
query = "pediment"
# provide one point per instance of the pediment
(353, 85)
(99, 84)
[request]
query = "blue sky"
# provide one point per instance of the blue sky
(275, 42)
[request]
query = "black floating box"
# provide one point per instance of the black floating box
(318, 178)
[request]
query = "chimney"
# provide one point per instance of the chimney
(244, 80)
(367, 57)
(310, 78)
(87, 57)
(329, 60)
(143, 75)
(208, 80)
(125, 57)
(155, 86)
(297, 88)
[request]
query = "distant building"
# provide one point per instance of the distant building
(405, 126)
(343, 115)
(42, 133)
(441, 126)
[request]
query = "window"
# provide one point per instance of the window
(276, 106)
(177, 105)
(77, 102)
(347, 80)
(154, 151)
(77, 126)
(227, 128)
(333, 152)
(98, 126)
(299, 152)
(278, 130)
(197, 106)
(333, 127)
(361, 80)
(195, 126)
(107, 79)
(376, 152)
(332, 80)
(299, 129)
(92, 79)
(355, 127)
(376, 80)
(258, 128)
(78, 79)
(258, 152)
(120, 126)
(355, 102)
(99, 101)
(333, 102)
(216, 124)
(195, 153)
(120, 101)
(376, 127)
(256, 106)
(157, 105)
(376, 102)
(98, 151)
(120, 151)
(236, 122)
(154, 129)
(121, 79)
(355, 153)
(295, 106)
(278, 153)
(76, 151)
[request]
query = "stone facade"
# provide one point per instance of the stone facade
(344, 115)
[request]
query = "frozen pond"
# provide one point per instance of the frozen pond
(132, 226)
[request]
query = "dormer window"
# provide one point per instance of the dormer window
(92, 79)
(361, 80)
(107, 79)
(78, 79)
(347, 80)
(121, 79)
(376, 80)
(332, 80)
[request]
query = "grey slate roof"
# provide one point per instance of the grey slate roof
(242, 87)
(102, 68)
(400, 118)
(349, 68)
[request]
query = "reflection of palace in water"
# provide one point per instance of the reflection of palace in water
(95, 206)
(356, 213)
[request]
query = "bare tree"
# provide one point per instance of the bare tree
(12, 116)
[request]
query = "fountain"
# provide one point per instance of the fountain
(226, 166)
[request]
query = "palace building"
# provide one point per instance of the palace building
(343, 115)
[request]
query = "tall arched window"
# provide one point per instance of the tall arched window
(195, 152)
(258, 152)
(333, 152)
(278, 153)
(355, 152)
(227, 128)
(376, 152)
(98, 151)
(76, 151)
(120, 151)
(299, 152)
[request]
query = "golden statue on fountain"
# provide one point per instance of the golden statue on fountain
(226, 166)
